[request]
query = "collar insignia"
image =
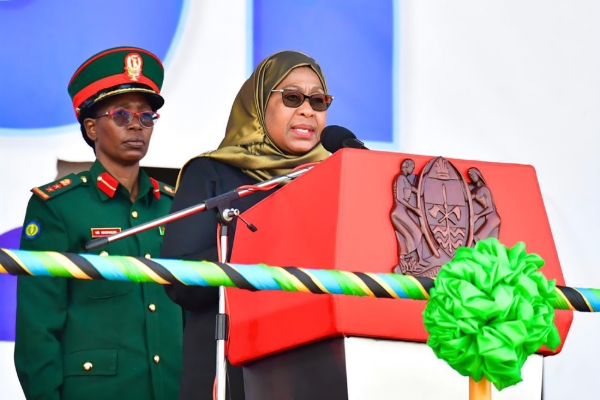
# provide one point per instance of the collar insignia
(156, 189)
(107, 184)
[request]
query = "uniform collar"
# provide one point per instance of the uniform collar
(107, 185)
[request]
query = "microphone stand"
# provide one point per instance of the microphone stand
(222, 325)
(225, 214)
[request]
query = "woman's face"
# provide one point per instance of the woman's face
(121, 144)
(295, 130)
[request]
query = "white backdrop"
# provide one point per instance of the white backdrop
(511, 81)
(518, 81)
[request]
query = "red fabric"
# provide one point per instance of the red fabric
(104, 232)
(109, 81)
(107, 184)
(337, 216)
(156, 187)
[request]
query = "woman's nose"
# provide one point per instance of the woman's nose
(305, 109)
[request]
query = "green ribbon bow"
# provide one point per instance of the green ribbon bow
(489, 310)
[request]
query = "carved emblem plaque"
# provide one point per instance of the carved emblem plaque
(437, 212)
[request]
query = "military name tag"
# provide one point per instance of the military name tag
(102, 232)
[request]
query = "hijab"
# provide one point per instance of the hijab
(247, 144)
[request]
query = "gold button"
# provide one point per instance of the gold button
(83, 179)
(156, 359)
(87, 366)
(104, 253)
(148, 256)
(99, 178)
(152, 308)
(134, 214)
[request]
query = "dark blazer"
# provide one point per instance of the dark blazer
(194, 238)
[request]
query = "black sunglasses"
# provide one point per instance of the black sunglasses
(122, 117)
(294, 99)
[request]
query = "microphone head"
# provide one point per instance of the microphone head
(333, 137)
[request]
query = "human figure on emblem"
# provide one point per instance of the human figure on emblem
(405, 219)
(97, 339)
(486, 218)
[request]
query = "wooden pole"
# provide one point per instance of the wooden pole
(481, 390)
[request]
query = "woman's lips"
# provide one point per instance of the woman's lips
(303, 130)
(135, 143)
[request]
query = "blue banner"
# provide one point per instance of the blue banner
(353, 41)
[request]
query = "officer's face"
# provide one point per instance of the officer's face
(120, 144)
(295, 130)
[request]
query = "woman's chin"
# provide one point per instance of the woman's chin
(300, 149)
(133, 156)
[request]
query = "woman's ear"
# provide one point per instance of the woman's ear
(90, 128)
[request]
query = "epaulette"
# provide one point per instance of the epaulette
(60, 186)
(166, 189)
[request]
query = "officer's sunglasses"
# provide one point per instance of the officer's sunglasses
(294, 99)
(123, 117)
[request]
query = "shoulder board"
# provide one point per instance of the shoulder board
(60, 186)
(166, 189)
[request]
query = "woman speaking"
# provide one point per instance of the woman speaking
(274, 126)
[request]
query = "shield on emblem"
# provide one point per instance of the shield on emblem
(437, 212)
(446, 208)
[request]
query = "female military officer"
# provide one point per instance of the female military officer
(94, 339)
(274, 126)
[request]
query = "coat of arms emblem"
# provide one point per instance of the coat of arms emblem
(438, 212)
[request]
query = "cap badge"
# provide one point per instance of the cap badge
(133, 66)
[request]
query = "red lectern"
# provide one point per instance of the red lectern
(337, 216)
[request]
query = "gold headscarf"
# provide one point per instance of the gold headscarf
(247, 144)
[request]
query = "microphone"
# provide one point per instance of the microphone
(336, 137)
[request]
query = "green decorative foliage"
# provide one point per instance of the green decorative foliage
(489, 310)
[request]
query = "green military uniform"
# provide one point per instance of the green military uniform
(83, 339)
(96, 339)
